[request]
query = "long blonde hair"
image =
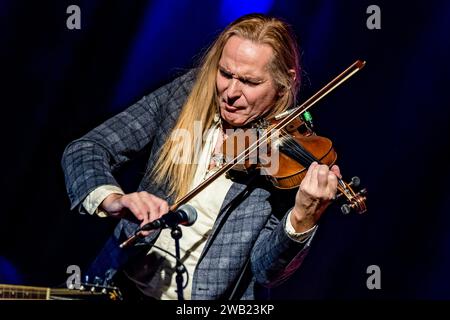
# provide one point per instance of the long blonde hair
(202, 103)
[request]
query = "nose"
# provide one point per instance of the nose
(234, 90)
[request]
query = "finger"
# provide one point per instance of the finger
(332, 184)
(151, 204)
(308, 177)
(163, 208)
(130, 203)
(156, 206)
(313, 184)
(335, 169)
(144, 233)
(322, 177)
(141, 207)
(162, 205)
(151, 214)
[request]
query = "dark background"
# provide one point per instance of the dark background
(389, 124)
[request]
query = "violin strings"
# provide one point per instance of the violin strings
(297, 151)
(301, 152)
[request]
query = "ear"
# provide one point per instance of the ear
(293, 74)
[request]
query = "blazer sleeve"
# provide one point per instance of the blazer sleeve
(90, 161)
(275, 256)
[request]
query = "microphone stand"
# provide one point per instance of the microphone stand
(179, 268)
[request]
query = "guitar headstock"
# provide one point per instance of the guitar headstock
(90, 291)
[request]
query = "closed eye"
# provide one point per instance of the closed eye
(229, 75)
(249, 82)
(225, 74)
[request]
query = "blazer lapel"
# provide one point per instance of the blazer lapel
(233, 193)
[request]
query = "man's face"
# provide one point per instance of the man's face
(245, 86)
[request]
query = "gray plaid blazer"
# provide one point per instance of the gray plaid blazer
(250, 225)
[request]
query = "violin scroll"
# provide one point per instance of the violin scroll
(356, 201)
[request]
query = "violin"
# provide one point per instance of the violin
(290, 150)
(283, 148)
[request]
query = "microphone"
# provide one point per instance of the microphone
(185, 215)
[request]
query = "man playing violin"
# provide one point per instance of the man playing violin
(244, 226)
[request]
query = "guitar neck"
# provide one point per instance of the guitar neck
(14, 292)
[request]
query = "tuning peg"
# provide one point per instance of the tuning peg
(355, 182)
(346, 209)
